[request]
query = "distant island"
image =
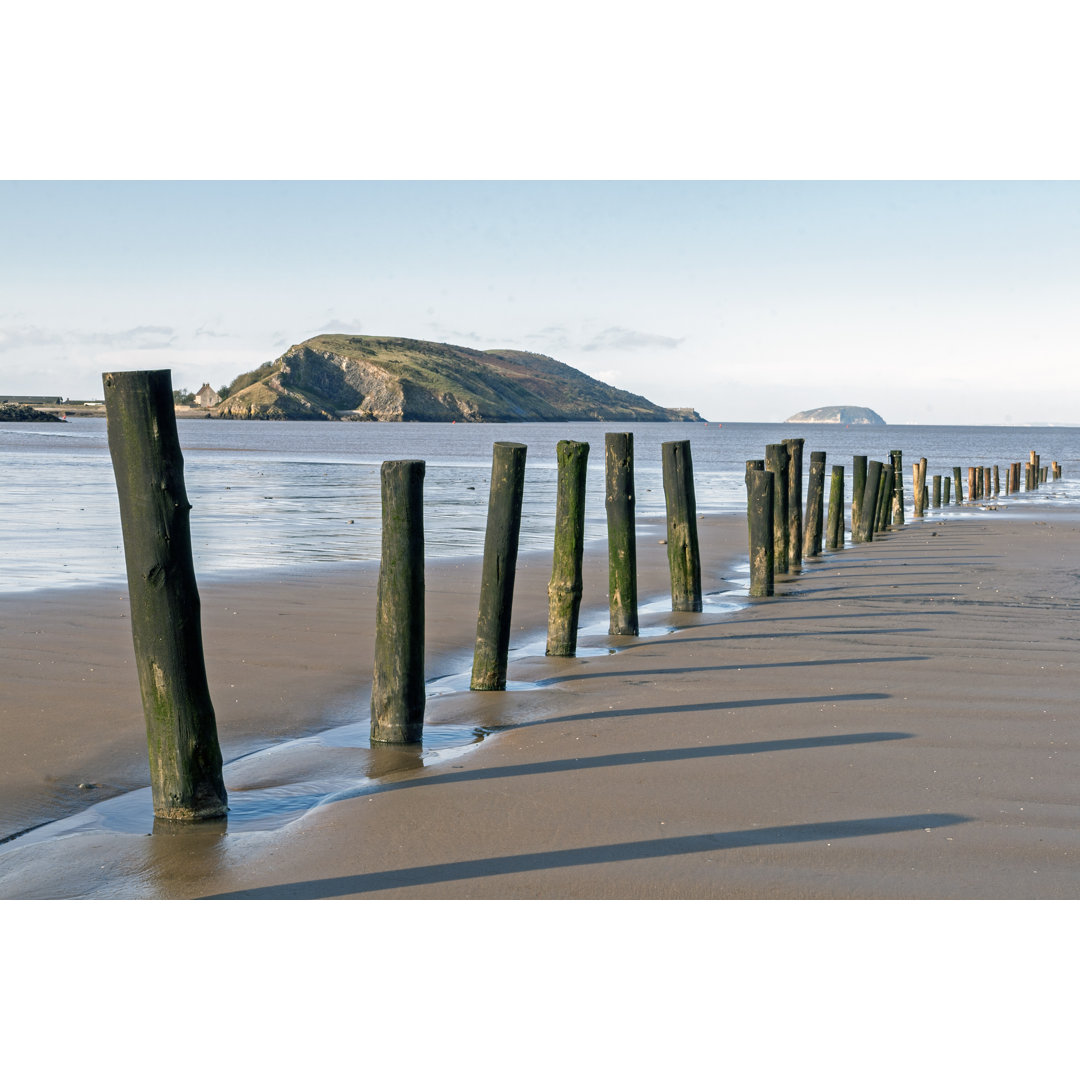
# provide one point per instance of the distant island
(836, 414)
(342, 377)
(12, 411)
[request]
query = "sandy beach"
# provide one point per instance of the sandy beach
(897, 722)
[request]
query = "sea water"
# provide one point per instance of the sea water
(293, 494)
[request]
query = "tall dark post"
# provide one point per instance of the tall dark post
(500, 566)
(166, 619)
(835, 535)
(858, 488)
(988, 481)
(776, 462)
(397, 685)
(622, 535)
(958, 485)
(795, 514)
(973, 484)
(761, 486)
(815, 504)
(946, 493)
(884, 503)
(897, 458)
(997, 482)
(935, 501)
(682, 538)
(869, 503)
(565, 587)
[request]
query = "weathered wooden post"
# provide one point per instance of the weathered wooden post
(987, 482)
(565, 587)
(946, 490)
(997, 482)
(920, 488)
(835, 534)
(751, 466)
(397, 684)
(973, 484)
(776, 462)
(622, 535)
(500, 566)
(979, 481)
(897, 457)
(761, 486)
(684, 561)
(166, 619)
(869, 503)
(815, 504)
(795, 514)
(936, 500)
(958, 485)
(884, 503)
(858, 488)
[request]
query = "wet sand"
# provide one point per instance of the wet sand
(898, 722)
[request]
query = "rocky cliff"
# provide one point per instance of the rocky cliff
(836, 414)
(335, 376)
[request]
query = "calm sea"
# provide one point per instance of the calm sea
(269, 495)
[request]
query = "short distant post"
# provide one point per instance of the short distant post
(835, 535)
(622, 536)
(869, 503)
(565, 587)
(682, 537)
(795, 515)
(936, 501)
(500, 566)
(166, 622)
(858, 488)
(761, 485)
(776, 462)
(397, 685)
(815, 504)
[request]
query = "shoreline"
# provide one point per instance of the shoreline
(898, 722)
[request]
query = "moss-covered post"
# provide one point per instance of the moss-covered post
(776, 462)
(682, 538)
(835, 533)
(622, 534)
(958, 485)
(565, 587)
(858, 489)
(815, 504)
(946, 490)
(936, 498)
(500, 566)
(397, 685)
(761, 486)
(795, 514)
(166, 619)
(897, 459)
(869, 503)
(884, 503)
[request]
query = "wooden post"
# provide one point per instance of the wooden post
(622, 536)
(858, 487)
(920, 489)
(997, 482)
(973, 485)
(776, 462)
(835, 534)
(684, 561)
(815, 504)
(565, 587)
(987, 482)
(397, 685)
(869, 503)
(795, 514)
(936, 501)
(500, 566)
(166, 620)
(897, 457)
(884, 500)
(946, 490)
(761, 486)
(958, 485)
(752, 465)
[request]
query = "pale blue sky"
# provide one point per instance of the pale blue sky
(929, 302)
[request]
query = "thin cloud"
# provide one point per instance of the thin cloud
(339, 326)
(619, 337)
(26, 337)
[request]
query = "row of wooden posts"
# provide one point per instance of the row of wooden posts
(185, 757)
(778, 536)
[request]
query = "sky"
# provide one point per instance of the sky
(929, 302)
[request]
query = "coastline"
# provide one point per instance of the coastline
(896, 723)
